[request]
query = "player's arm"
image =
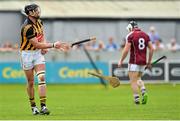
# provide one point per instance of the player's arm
(151, 50)
(31, 36)
(43, 39)
(39, 45)
(57, 45)
(44, 51)
(124, 53)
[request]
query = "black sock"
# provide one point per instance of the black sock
(42, 104)
(43, 101)
(32, 102)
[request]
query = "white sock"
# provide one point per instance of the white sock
(143, 90)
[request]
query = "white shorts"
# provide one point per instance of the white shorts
(135, 67)
(31, 58)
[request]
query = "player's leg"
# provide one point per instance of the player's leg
(30, 90)
(40, 72)
(27, 65)
(141, 84)
(133, 80)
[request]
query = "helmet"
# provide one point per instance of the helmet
(30, 7)
(131, 25)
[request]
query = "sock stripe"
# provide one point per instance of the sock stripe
(42, 98)
(31, 98)
(43, 83)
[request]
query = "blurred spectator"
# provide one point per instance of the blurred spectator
(16, 47)
(111, 46)
(154, 36)
(1, 48)
(122, 45)
(173, 46)
(6, 47)
(94, 45)
(101, 45)
(158, 45)
(88, 46)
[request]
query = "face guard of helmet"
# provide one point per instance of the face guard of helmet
(33, 10)
(131, 26)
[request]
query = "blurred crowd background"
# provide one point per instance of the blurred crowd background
(73, 20)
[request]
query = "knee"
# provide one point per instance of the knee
(41, 80)
(140, 82)
(133, 81)
(41, 77)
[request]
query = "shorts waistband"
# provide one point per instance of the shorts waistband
(30, 51)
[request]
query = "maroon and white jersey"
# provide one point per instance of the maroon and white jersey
(139, 42)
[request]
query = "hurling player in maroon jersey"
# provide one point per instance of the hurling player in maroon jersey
(137, 43)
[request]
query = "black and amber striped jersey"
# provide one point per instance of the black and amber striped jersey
(30, 30)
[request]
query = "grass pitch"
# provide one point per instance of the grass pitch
(84, 102)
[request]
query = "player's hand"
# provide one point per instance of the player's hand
(148, 66)
(57, 44)
(44, 51)
(62, 46)
(120, 63)
(65, 47)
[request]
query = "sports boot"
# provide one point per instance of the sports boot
(35, 110)
(44, 111)
(144, 98)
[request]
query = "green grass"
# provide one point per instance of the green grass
(92, 102)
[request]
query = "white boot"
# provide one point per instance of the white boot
(35, 110)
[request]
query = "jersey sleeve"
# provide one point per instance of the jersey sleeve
(129, 38)
(30, 33)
